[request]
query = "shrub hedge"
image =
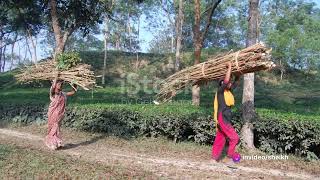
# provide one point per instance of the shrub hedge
(179, 124)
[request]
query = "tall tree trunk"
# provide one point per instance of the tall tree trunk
(106, 36)
(137, 50)
(29, 49)
(34, 47)
(171, 22)
(12, 51)
(12, 56)
(172, 41)
(56, 28)
(281, 70)
(60, 37)
(197, 50)
(179, 24)
(4, 57)
(198, 38)
(196, 88)
(117, 36)
(26, 51)
(1, 55)
(129, 31)
(117, 41)
(1, 46)
(19, 55)
(248, 111)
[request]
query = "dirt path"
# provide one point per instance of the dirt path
(96, 151)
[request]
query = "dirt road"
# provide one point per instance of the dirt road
(97, 150)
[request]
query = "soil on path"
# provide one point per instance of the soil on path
(157, 159)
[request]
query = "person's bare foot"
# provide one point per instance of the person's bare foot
(50, 146)
(214, 161)
(60, 144)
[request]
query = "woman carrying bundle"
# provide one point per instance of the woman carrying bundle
(223, 102)
(56, 112)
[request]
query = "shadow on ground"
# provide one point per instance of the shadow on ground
(84, 143)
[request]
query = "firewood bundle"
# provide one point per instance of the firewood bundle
(251, 59)
(80, 74)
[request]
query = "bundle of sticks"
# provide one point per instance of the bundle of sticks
(251, 59)
(80, 74)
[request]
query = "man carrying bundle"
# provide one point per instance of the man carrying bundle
(223, 102)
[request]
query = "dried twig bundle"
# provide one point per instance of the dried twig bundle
(47, 70)
(251, 59)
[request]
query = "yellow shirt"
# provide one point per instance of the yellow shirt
(229, 99)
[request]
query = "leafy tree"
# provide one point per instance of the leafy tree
(293, 31)
(123, 24)
(199, 35)
(160, 43)
(90, 42)
(66, 16)
(17, 18)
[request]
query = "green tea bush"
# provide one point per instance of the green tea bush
(22, 114)
(299, 137)
(113, 121)
(7, 81)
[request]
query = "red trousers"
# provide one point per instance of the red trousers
(225, 130)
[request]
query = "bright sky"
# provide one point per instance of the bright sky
(145, 37)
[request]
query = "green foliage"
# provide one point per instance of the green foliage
(7, 78)
(300, 137)
(7, 81)
(82, 14)
(18, 16)
(291, 28)
(77, 42)
(297, 137)
(68, 60)
(22, 115)
(161, 42)
(117, 122)
(123, 14)
(287, 116)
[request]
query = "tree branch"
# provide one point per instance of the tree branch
(209, 19)
(68, 32)
(204, 12)
(113, 18)
(11, 42)
(168, 14)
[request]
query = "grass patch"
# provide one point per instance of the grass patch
(19, 163)
(287, 116)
